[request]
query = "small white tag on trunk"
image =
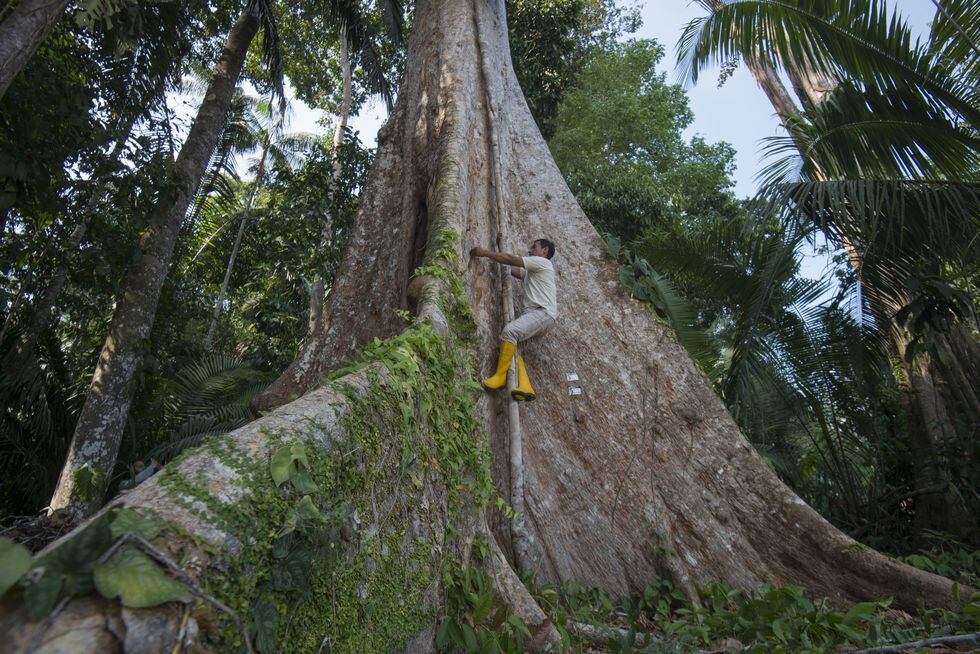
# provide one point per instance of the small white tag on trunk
(571, 376)
(574, 390)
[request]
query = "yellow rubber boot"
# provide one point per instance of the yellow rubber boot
(503, 363)
(524, 392)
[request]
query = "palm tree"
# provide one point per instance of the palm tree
(100, 426)
(265, 131)
(884, 160)
(780, 351)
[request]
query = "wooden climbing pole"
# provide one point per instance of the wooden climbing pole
(521, 539)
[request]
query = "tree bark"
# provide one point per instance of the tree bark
(646, 459)
(103, 418)
(22, 31)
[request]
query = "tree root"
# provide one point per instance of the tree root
(508, 586)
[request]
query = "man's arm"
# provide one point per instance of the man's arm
(499, 257)
(517, 272)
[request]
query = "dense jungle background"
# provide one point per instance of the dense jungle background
(860, 389)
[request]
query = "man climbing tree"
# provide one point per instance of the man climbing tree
(540, 310)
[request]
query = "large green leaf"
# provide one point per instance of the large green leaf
(15, 560)
(289, 463)
(136, 580)
(293, 572)
(125, 521)
(265, 622)
(74, 559)
(41, 595)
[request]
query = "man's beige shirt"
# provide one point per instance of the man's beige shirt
(539, 285)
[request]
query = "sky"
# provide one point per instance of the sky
(737, 113)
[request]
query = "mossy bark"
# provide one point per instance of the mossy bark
(394, 499)
(646, 460)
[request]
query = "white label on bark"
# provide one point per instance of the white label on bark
(574, 390)
(571, 376)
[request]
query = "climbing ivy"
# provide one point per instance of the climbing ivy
(347, 545)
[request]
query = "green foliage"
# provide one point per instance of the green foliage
(475, 621)
(311, 33)
(290, 464)
(769, 619)
(948, 558)
(206, 397)
(644, 283)
(551, 41)
(15, 560)
(76, 567)
(89, 481)
(886, 167)
(619, 144)
(136, 580)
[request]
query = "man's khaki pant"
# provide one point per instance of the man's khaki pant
(528, 325)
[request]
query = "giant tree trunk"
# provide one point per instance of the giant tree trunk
(93, 449)
(646, 460)
(647, 455)
(22, 31)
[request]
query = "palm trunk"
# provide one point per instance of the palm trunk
(22, 31)
(256, 185)
(317, 288)
(103, 418)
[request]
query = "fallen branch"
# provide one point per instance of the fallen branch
(602, 635)
(962, 639)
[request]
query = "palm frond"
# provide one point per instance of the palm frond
(937, 219)
(271, 50)
(208, 397)
(840, 39)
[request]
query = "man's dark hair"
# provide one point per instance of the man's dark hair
(547, 245)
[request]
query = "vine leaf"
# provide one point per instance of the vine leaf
(127, 520)
(15, 560)
(289, 463)
(42, 594)
(265, 621)
(138, 582)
